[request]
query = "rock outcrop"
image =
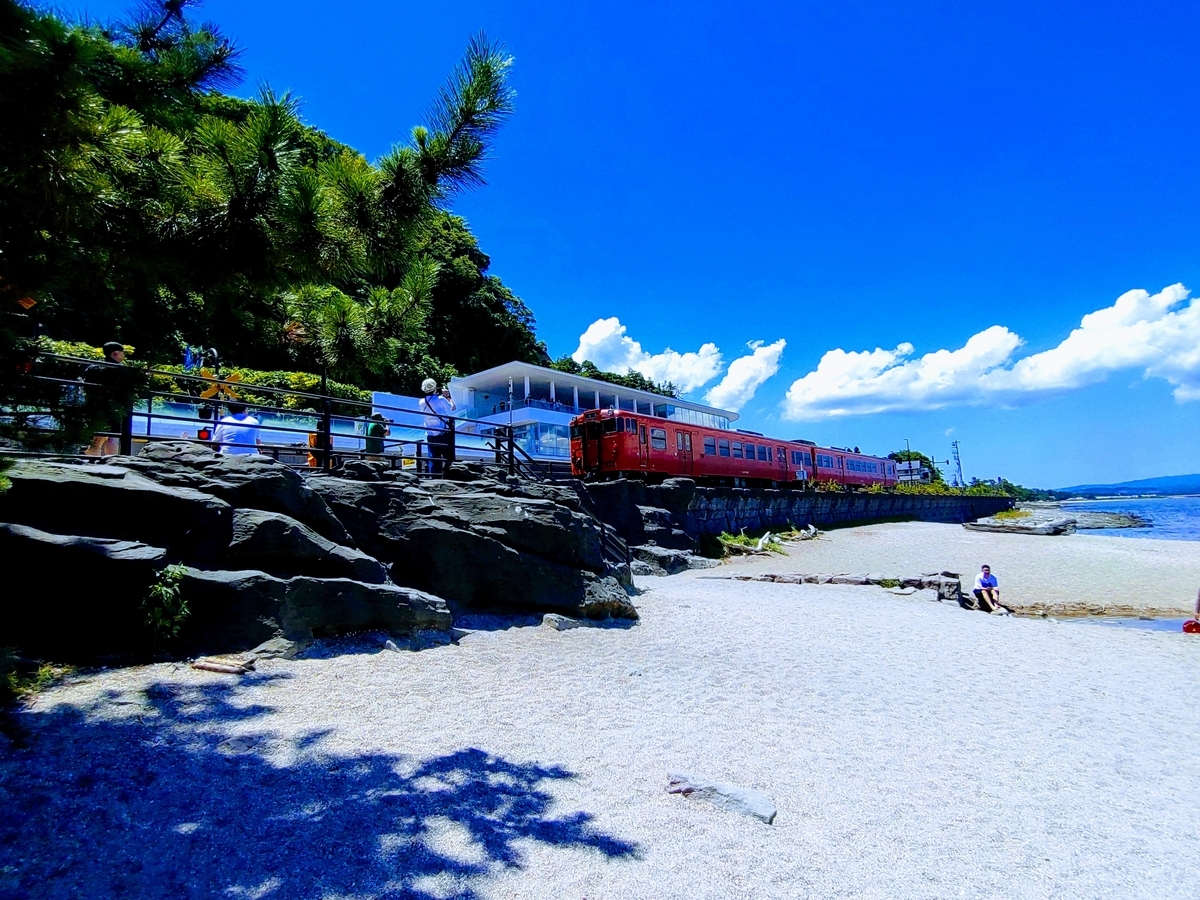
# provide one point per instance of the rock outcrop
(268, 552)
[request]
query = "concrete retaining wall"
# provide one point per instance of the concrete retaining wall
(714, 510)
(677, 513)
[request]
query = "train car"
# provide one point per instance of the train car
(614, 443)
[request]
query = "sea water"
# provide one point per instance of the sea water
(1171, 518)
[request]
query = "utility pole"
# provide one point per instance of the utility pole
(958, 464)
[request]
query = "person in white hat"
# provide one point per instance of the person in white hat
(438, 409)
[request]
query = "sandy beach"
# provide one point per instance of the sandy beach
(1078, 574)
(913, 750)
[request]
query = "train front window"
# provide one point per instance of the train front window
(576, 432)
(710, 446)
(610, 425)
(723, 447)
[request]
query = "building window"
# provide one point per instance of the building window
(710, 446)
(723, 447)
(658, 439)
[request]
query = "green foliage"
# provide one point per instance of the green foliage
(889, 583)
(634, 380)
(741, 543)
(18, 684)
(1009, 514)
(1006, 487)
(139, 203)
(164, 605)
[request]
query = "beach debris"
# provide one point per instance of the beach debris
(762, 542)
(560, 623)
(236, 745)
(224, 667)
(746, 801)
(389, 644)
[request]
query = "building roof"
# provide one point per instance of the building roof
(495, 381)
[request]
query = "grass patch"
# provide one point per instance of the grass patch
(889, 582)
(1013, 514)
(21, 679)
(741, 543)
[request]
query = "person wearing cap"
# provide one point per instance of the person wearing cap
(987, 589)
(237, 433)
(106, 411)
(438, 409)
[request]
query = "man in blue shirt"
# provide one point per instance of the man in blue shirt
(987, 589)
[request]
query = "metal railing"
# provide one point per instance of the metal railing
(422, 448)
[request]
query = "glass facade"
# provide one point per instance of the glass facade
(690, 416)
(540, 439)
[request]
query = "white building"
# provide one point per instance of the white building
(539, 403)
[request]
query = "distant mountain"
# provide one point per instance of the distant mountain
(1169, 484)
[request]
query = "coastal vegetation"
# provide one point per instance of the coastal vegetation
(142, 202)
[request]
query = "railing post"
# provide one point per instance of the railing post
(126, 440)
(453, 453)
(512, 451)
(327, 435)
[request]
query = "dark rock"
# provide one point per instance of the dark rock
(661, 560)
(79, 597)
(280, 545)
(321, 607)
(230, 611)
(247, 481)
(481, 551)
(363, 469)
(108, 501)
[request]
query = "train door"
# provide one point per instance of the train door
(781, 465)
(683, 449)
(643, 446)
(591, 446)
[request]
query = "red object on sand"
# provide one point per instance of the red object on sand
(1191, 626)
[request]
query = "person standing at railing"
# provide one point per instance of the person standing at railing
(438, 408)
(108, 399)
(237, 433)
(377, 430)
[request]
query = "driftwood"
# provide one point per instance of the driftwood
(209, 665)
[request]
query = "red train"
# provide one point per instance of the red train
(608, 443)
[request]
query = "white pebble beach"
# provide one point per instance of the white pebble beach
(913, 749)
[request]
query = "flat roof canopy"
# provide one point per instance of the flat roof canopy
(494, 383)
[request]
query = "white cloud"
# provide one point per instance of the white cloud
(607, 345)
(745, 375)
(1158, 333)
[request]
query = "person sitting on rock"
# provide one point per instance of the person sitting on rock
(987, 590)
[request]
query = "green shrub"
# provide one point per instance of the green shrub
(165, 607)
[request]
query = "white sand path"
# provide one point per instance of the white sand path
(1067, 573)
(914, 750)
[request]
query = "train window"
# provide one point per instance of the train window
(679, 440)
(620, 424)
(749, 450)
(658, 438)
(687, 441)
(737, 449)
(642, 434)
(723, 447)
(710, 446)
(762, 452)
(771, 456)
(610, 425)
(576, 432)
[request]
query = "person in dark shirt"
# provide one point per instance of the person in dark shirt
(107, 396)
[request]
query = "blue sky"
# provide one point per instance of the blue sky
(840, 177)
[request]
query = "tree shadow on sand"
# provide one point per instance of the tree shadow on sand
(162, 802)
